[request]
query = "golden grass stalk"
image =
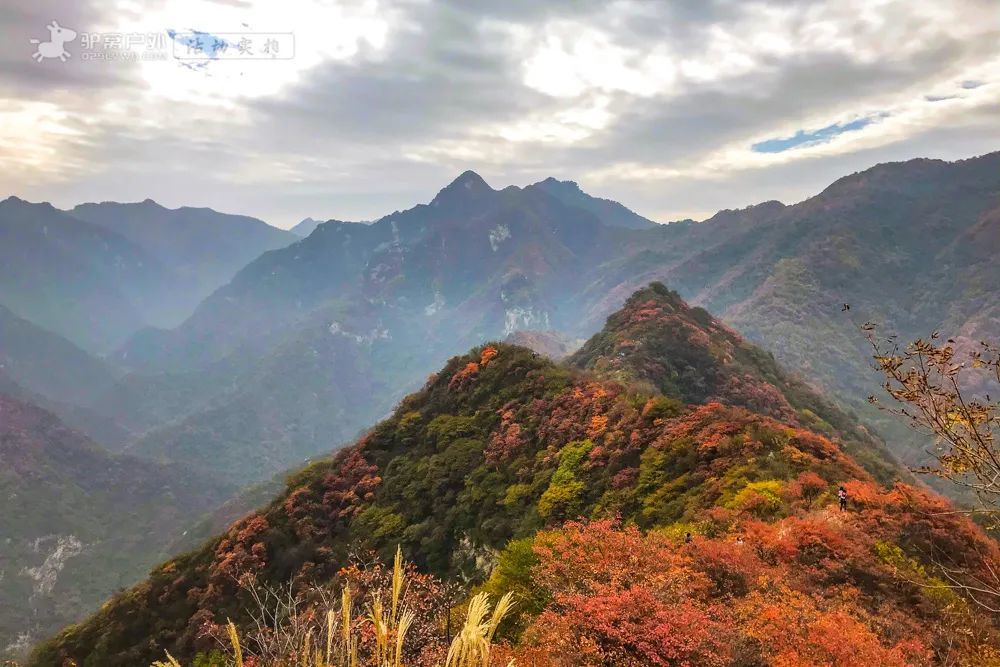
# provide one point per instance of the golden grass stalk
(330, 622)
(377, 617)
(171, 661)
(306, 649)
(405, 621)
(397, 580)
(345, 612)
(471, 647)
(234, 639)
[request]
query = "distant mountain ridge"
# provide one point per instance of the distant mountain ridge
(203, 247)
(48, 370)
(100, 272)
(609, 212)
(49, 364)
(78, 522)
(306, 227)
(79, 280)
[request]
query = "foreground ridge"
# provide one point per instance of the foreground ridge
(632, 527)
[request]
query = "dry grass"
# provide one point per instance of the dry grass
(472, 645)
(287, 635)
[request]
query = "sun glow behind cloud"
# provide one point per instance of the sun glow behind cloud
(45, 137)
(322, 32)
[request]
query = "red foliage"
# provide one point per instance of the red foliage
(733, 567)
(352, 486)
(806, 486)
(464, 377)
(631, 626)
(242, 551)
(649, 310)
(757, 395)
(340, 495)
(622, 597)
(506, 440)
(793, 629)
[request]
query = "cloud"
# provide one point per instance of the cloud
(677, 109)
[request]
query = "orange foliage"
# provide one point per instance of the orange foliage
(808, 485)
(791, 627)
(598, 424)
(777, 594)
(487, 355)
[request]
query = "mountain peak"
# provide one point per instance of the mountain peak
(655, 302)
(609, 212)
(552, 182)
(657, 338)
(468, 184)
(470, 179)
(16, 201)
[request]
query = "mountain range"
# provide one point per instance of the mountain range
(369, 310)
(311, 343)
(52, 372)
(188, 339)
(77, 279)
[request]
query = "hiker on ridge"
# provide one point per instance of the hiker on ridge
(842, 495)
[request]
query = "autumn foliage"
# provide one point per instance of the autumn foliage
(510, 473)
(620, 596)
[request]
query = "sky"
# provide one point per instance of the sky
(286, 109)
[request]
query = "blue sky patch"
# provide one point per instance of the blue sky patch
(803, 137)
(199, 47)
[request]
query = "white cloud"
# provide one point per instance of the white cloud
(576, 59)
(323, 32)
(914, 113)
(638, 95)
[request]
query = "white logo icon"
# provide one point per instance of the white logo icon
(54, 47)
